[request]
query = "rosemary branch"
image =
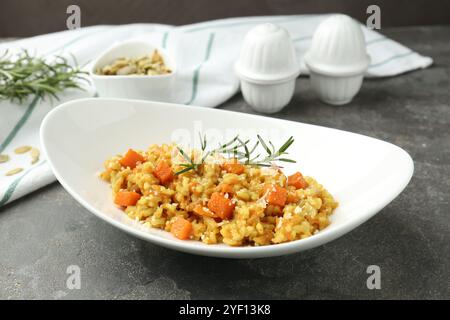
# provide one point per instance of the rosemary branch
(273, 154)
(240, 150)
(192, 165)
(25, 75)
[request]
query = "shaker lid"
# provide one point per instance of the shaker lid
(267, 55)
(338, 47)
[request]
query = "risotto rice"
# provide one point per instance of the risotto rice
(221, 202)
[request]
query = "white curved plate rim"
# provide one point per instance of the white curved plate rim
(221, 250)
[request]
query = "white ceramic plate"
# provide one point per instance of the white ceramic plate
(364, 174)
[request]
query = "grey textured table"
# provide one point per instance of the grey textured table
(45, 232)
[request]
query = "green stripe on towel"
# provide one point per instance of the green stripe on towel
(12, 187)
(197, 70)
(75, 40)
(225, 24)
(397, 56)
(164, 39)
(302, 39)
(19, 124)
(376, 40)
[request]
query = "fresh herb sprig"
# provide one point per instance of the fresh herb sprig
(26, 75)
(273, 154)
(240, 150)
(247, 154)
(192, 165)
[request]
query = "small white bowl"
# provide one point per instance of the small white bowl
(143, 87)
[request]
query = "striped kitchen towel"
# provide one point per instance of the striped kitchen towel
(204, 53)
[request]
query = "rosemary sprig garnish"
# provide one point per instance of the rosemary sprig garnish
(247, 155)
(192, 165)
(275, 155)
(26, 75)
(240, 150)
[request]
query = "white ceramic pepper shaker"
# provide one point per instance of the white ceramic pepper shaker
(337, 59)
(267, 68)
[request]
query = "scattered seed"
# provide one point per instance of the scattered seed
(23, 149)
(13, 171)
(4, 158)
(35, 153)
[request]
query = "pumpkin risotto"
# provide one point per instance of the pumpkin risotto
(223, 201)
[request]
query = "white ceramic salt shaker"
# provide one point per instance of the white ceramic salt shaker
(337, 59)
(267, 68)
